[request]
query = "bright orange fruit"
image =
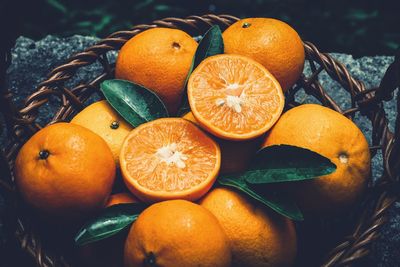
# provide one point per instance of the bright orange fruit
(236, 156)
(258, 236)
(234, 97)
(65, 170)
(121, 198)
(102, 119)
(159, 59)
(334, 136)
(169, 158)
(177, 233)
(272, 42)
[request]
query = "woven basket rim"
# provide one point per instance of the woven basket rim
(22, 123)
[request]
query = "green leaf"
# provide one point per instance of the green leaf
(104, 21)
(57, 5)
(113, 220)
(211, 44)
(279, 202)
(135, 103)
(284, 163)
(162, 8)
(274, 164)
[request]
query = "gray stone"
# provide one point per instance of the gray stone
(33, 60)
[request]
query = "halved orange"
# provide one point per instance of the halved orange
(169, 158)
(234, 97)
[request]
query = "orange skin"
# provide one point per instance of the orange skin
(151, 179)
(102, 119)
(74, 176)
(273, 43)
(234, 97)
(177, 233)
(121, 198)
(159, 59)
(332, 135)
(258, 236)
(235, 156)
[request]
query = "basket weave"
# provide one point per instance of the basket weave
(22, 123)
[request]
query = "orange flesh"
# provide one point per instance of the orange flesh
(234, 97)
(169, 157)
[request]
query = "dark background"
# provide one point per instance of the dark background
(358, 27)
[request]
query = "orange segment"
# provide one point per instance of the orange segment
(234, 97)
(169, 158)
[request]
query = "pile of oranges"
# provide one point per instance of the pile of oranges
(67, 170)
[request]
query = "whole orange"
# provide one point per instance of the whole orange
(65, 170)
(271, 42)
(235, 155)
(102, 119)
(258, 236)
(158, 59)
(334, 136)
(177, 233)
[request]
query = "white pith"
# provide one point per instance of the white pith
(171, 156)
(232, 86)
(343, 158)
(232, 101)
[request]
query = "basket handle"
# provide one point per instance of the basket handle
(371, 99)
(390, 82)
(391, 79)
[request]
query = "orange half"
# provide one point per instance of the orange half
(169, 158)
(234, 97)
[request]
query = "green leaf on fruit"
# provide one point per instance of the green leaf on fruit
(278, 164)
(135, 103)
(285, 163)
(279, 202)
(113, 220)
(211, 44)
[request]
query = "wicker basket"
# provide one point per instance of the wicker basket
(22, 123)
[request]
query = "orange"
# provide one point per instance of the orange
(235, 156)
(121, 198)
(273, 43)
(332, 135)
(258, 237)
(158, 59)
(177, 233)
(65, 170)
(234, 97)
(102, 119)
(169, 158)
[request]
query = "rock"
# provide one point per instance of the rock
(32, 61)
